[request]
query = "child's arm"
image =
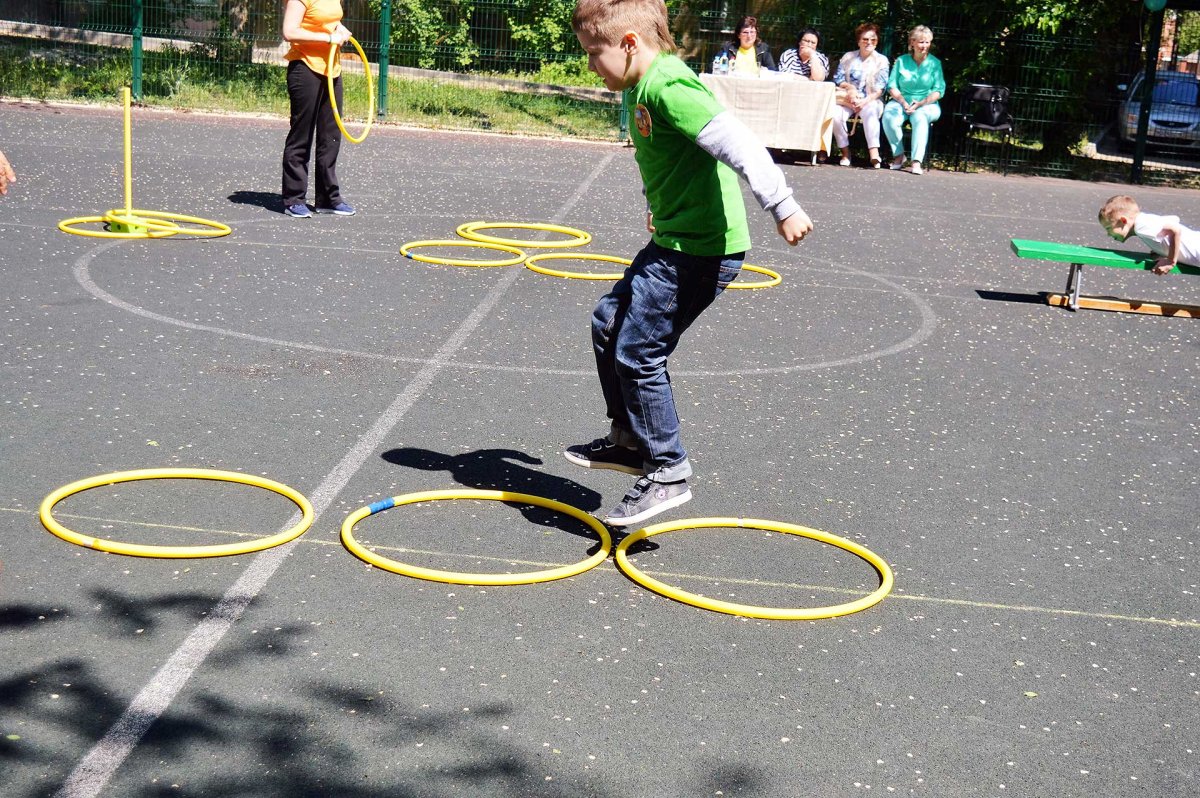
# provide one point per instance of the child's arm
(731, 142)
(1171, 232)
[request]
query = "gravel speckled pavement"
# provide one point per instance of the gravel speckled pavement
(1030, 474)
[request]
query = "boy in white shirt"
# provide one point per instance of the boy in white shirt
(1164, 235)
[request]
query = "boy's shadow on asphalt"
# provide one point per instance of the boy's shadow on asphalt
(505, 469)
(272, 201)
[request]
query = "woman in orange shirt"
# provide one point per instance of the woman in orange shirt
(312, 26)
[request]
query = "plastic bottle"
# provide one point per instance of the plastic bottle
(716, 68)
(724, 64)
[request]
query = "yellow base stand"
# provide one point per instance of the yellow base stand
(1125, 306)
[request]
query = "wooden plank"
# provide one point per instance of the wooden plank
(1126, 306)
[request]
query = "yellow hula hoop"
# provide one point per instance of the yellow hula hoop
(773, 613)
(518, 255)
(775, 278)
(535, 259)
(145, 219)
(470, 231)
(135, 550)
(335, 52)
(460, 578)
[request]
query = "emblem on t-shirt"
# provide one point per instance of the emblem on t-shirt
(641, 118)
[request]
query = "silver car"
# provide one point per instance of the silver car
(1174, 111)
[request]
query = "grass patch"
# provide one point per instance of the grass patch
(192, 78)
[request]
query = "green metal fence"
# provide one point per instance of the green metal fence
(440, 53)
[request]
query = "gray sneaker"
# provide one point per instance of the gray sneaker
(647, 499)
(603, 453)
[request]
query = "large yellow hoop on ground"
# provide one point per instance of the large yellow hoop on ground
(470, 231)
(532, 262)
(335, 53)
(775, 278)
(773, 613)
(135, 550)
(459, 578)
(518, 255)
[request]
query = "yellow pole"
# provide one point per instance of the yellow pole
(128, 155)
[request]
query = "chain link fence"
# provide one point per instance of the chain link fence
(1064, 99)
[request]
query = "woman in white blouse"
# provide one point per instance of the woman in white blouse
(862, 77)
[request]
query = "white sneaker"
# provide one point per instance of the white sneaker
(916, 168)
(844, 162)
(896, 163)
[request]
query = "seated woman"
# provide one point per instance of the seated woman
(916, 85)
(805, 59)
(747, 54)
(862, 75)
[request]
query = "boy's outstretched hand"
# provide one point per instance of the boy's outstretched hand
(1163, 266)
(795, 227)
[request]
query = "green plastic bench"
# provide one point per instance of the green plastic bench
(1079, 256)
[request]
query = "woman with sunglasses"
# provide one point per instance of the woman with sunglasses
(862, 77)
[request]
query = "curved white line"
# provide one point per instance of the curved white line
(928, 325)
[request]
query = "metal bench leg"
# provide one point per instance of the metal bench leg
(1073, 282)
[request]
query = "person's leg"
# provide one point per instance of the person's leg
(869, 114)
(619, 449)
(667, 292)
(302, 91)
(841, 116)
(920, 120)
(893, 128)
(326, 192)
(607, 319)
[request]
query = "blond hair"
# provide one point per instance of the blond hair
(609, 20)
(1118, 206)
(920, 30)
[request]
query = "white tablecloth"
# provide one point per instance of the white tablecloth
(785, 114)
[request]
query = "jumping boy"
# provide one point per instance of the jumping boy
(688, 149)
(1164, 235)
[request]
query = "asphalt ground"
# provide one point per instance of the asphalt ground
(1029, 473)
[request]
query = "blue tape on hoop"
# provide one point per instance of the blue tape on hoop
(382, 504)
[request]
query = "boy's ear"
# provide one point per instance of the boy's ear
(630, 42)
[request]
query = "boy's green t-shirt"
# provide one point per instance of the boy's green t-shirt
(696, 200)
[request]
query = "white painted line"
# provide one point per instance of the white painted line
(97, 767)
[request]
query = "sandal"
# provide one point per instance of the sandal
(876, 163)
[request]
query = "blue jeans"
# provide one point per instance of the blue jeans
(635, 328)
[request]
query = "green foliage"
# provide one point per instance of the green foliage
(543, 25)
(421, 31)
(569, 72)
(1188, 32)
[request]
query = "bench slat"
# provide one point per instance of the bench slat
(1091, 256)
